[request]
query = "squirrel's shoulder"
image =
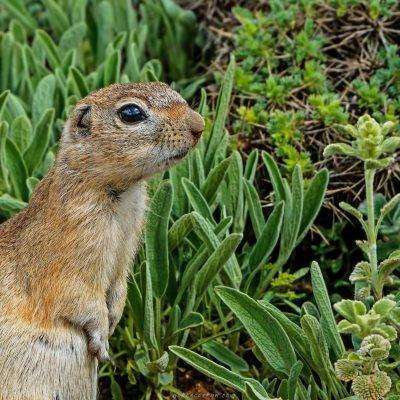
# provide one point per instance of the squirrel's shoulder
(38, 201)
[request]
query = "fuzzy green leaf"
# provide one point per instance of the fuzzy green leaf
(226, 356)
(210, 368)
(275, 176)
(254, 207)
(221, 113)
(215, 262)
(16, 167)
(341, 149)
(18, 9)
(268, 238)
(197, 201)
(192, 320)
(157, 237)
(49, 47)
(264, 329)
(36, 150)
(324, 305)
(10, 204)
(214, 179)
(148, 317)
(313, 199)
(43, 97)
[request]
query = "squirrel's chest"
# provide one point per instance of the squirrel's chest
(114, 237)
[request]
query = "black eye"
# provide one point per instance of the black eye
(131, 113)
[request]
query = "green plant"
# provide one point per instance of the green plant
(302, 357)
(372, 318)
(389, 227)
(295, 361)
(297, 208)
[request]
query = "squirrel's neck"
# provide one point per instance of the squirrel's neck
(76, 196)
(66, 201)
(78, 225)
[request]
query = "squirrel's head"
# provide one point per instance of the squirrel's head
(127, 132)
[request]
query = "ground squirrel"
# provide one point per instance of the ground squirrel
(64, 260)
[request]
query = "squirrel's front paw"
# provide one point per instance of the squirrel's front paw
(98, 347)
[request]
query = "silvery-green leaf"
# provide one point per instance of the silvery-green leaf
(351, 210)
(386, 267)
(148, 317)
(378, 164)
(387, 127)
(255, 391)
(19, 10)
(73, 36)
(268, 238)
(340, 149)
(209, 368)
(384, 306)
(31, 183)
(38, 146)
(350, 309)
(275, 177)
(328, 321)
(17, 171)
(10, 204)
(49, 48)
(361, 272)
(345, 326)
(157, 237)
(56, 17)
(264, 329)
(160, 365)
(216, 261)
(211, 185)
(313, 199)
(293, 380)
(387, 331)
(192, 320)
(223, 102)
(390, 145)
(225, 355)
(253, 203)
(43, 98)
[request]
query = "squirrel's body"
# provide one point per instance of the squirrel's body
(62, 227)
(65, 259)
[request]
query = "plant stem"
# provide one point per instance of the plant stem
(371, 233)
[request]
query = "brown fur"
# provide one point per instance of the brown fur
(65, 259)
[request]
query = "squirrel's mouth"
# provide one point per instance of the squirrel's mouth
(179, 156)
(174, 158)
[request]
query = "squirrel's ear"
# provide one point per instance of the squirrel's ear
(83, 119)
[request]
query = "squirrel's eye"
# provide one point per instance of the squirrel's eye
(131, 113)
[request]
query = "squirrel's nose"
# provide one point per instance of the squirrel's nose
(195, 123)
